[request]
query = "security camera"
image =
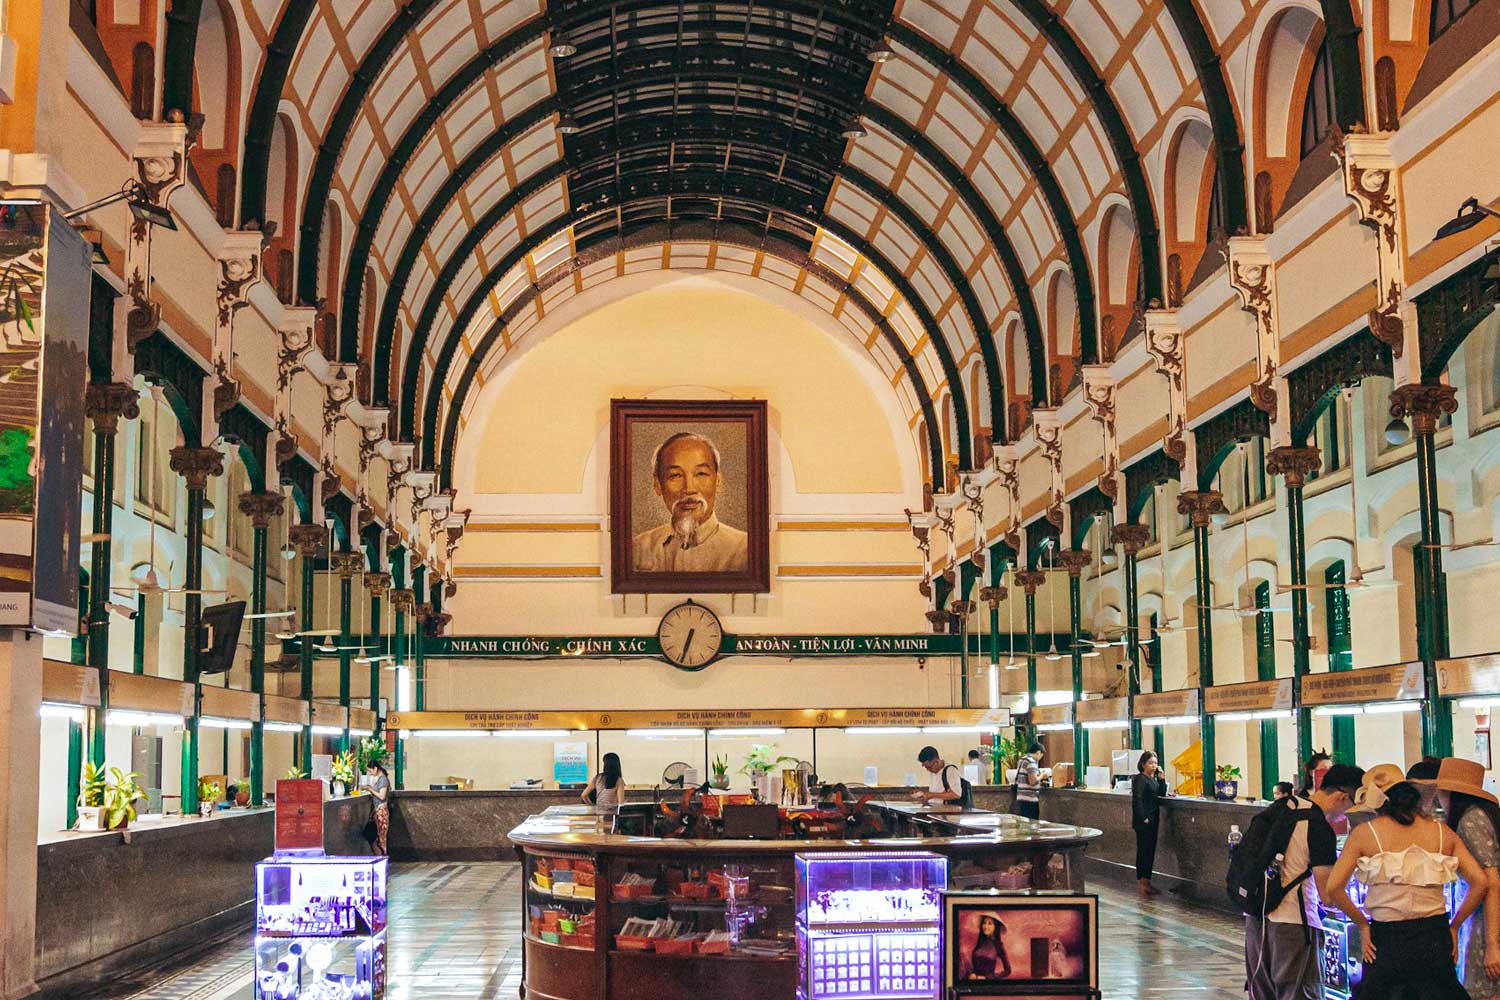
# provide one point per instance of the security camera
(123, 610)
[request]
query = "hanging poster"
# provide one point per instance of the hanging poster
(689, 497)
(570, 763)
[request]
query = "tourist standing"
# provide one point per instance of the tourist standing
(380, 791)
(1029, 782)
(1474, 814)
(1147, 789)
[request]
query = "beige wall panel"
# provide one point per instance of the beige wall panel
(490, 548)
(1433, 189)
(1217, 347)
(850, 546)
(1322, 274)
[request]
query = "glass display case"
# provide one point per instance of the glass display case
(320, 928)
(560, 896)
(734, 909)
(868, 924)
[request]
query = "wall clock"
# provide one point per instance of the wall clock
(690, 635)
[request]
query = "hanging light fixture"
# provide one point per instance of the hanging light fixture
(1397, 432)
(854, 130)
(568, 125)
(561, 47)
(881, 52)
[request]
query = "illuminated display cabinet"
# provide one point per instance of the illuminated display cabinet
(1342, 967)
(869, 925)
(320, 928)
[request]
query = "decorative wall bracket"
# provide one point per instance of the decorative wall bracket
(338, 390)
(296, 330)
(1252, 274)
(239, 260)
(1007, 465)
(1164, 341)
(160, 163)
(423, 485)
(1099, 396)
(1046, 424)
(1369, 172)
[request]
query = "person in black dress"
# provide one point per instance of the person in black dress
(1147, 789)
(989, 950)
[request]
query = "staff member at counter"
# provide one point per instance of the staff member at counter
(946, 786)
(1147, 789)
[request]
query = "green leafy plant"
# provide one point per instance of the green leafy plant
(91, 787)
(372, 750)
(120, 797)
(720, 765)
(763, 758)
(209, 790)
(345, 769)
(292, 774)
(1227, 772)
(1009, 748)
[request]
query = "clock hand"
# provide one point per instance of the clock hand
(689, 643)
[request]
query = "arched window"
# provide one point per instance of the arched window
(1317, 104)
(1444, 13)
(1214, 219)
(143, 81)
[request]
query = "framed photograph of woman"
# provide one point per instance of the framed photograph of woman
(1008, 944)
(689, 496)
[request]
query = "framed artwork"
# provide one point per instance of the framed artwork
(1021, 944)
(689, 492)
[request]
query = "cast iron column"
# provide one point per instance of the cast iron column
(1075, 560)
(419, 618)
(106, 403)
(402, 603)
(1296, 464)
(1029, 581)
(1201, 506)
(1425, 404)
(261, 509)
(378, 584)
(195, 465)
(308, 538)
(1132, 538)
(347, 565)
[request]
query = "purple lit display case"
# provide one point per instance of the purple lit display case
(869, 925)
(320, 928)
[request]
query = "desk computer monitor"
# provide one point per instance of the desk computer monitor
(635, 819)
(751, 822)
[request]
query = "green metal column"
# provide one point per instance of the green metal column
(419, 609)
(992, 596)
(1296, 464)
(1153, 659)
(106, 403)
(1425, 405)
(1340, 655)
(1132, 538)
(401, 601)
(1029, 581)
(1075, 560)
(346, 565)
(1200, 506)
(1265, 670)
(308, 538)
(75, 769)
(195, 465)
(378, 584)
(261, 508)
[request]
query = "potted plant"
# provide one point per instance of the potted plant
(1226, 782)
(345, 774)
(292, 774)
(721, 772)
(120, 797)
(242, 792)
(761, 761)
(91, 798)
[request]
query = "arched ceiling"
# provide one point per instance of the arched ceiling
(933, 161)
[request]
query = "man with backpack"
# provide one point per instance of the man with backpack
(947, 786)
(1277, 874)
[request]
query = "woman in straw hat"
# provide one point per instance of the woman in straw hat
(1474, 814)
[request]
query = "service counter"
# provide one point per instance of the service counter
(590, 896)
(111, 901)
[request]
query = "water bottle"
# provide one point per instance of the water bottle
(1234, 838)
(1273, 870)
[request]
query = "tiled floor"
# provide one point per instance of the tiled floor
(455, 935)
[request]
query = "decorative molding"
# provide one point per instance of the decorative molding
(1099, 396)
(423, 485)
(347, 564)
(403, 599)
(1046, 425)
(377, 583)
(160, 163)
(296, 332)
(196, 465)
(1131, 537)
(993, 596)
(307, 538)
(106, 402)
(1007, 462)
(1075, 560)
(239, 260)
(1369, 171)
(1252, 274)
(261, 508)
(1200, 506)
(1164, 342)
(1029, 580)
(1295, 463)
(1424, 404)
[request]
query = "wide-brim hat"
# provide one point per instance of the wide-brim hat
(1370, 795)
(1455, 774)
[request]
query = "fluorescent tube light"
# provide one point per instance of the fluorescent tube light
(533, 734)
(959, 729)
(1106, 724)
(666, 734)
(748, 731)
(121, 717)
(1339, 710)
(214, 722)
(1391, 707)
(57, 710)
(282, 727)
(882, 730)
(1235, 716)
(1170, 720)
(327, 731)
(1054, 727)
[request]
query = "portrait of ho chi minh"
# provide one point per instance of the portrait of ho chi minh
(687, 476)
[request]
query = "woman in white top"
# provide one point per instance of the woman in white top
(1406, 860)
(607, 790)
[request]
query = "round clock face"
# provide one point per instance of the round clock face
(690, 635)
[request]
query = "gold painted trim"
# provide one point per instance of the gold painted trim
(525, 572)
(841, 526)
(529, 527)
(865, 569)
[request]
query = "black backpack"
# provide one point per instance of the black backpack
(1249, 890)
(965, 790)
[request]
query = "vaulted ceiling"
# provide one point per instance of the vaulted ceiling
(933, 168)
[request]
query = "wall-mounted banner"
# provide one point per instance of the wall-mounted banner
(1167, 704)
(1101, 710)
(1392, 682)
(1052, 715)
(703, 718)
(1469, 675)
(1254, 696)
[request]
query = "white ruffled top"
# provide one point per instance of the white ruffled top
(1406, 885)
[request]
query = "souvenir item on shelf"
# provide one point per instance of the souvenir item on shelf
(320, 928)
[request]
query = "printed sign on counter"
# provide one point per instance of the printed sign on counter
(570, 763)
(299, 816)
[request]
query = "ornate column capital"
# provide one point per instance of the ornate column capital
(1424, 404)
(196, 464)
(1164, 342)
(404, 599)
(308, 538)
(348, 564)
(261, 508)
(1252, 274)
(993, 596)
(1296, 464)
(377, 583)
(1131, 537)
(1030, 580)
(107, 402)
(963, 608)
(1200, 506)
(1075, 560)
